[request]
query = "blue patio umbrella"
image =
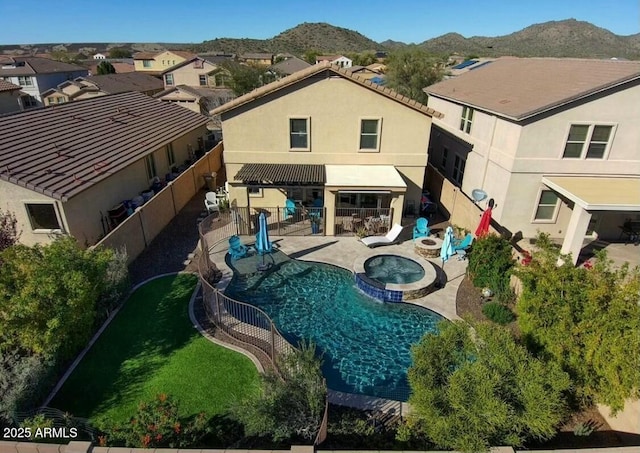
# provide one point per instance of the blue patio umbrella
(263, 245)
(446, 251)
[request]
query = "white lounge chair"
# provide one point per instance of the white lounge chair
(390, 238)
(211, 202)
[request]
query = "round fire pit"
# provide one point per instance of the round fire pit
(428, 247)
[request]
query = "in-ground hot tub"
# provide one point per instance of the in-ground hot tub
(394, 277)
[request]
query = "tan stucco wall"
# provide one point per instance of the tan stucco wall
(188, 75)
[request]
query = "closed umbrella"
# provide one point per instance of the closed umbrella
(263, 245)
(446, 251)
(485, 221)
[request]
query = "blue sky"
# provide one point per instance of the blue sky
(40, 21)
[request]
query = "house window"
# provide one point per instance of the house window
(221, 80)
(458, 169)
(171, 157)
(168, 79)
(587, 141)
(547, 205)
(369, 134)
(203, 80)
(299, 133)
(43, 216)
(147, 63)
(255, 192)
(466, 120)
(150, 163)
(28, 102)
(445, 156)
(25, 81)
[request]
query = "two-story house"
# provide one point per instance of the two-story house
(555, 142)
(9, 97)
(36, 75)
(261, 59)
(338, 60)
(62, 168)
(323, 133)
(157, 62)
(92, 86)
(196, 72)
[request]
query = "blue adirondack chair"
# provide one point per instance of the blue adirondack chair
(290, 209)
(236, 248)
(421, 229)
(463, 244)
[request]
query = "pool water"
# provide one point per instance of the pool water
(365, 344)
(393, 269)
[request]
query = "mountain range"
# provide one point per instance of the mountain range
(566, 38)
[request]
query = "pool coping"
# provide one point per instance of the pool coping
(429, 278)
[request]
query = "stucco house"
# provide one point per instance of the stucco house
(155, 63)
(92, 86)
(62, 168)
(196, 72)
(99, 56)
(262, 59)
(9, 97)
(288, 66)
(36, 75)
(323, 133)
(555, 142)
(338, 60)
(197, 99)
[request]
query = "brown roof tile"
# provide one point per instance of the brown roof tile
(36, 65)
(128, 81)
(519, 88)
(144, 55)
(62, 150)
(281, 174)
(316, 69)
(8, 86)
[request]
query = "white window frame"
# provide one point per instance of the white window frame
(378, 134)
(258, 194)
(43, 230)
(556, 210)
(308, 132)
(202, 78)
(587, 141)
(166, 80)
(147, 63)
(456, 170)
(25, 81)
(466, 119)
(150, 166)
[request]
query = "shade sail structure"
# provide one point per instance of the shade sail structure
(281, 174)
(598, 193)
(365, 177)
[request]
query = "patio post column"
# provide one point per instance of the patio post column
(576, 231)
(330, 209)
(397, 203)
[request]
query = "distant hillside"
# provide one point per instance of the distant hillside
(567, 38)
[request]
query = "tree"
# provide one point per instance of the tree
(363, 59)
(310, 56)
(477, 388)
(9, 233)
(291, 405)
(105, 68)
(244, 77)
(412, 69)
(64, 56)
(491, 265)
(587, 320)
(119, 52)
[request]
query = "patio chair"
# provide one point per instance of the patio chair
(290, 209)
(236, 248)
(211, 202)
(421, 229)
(463, 244)
(391, 237)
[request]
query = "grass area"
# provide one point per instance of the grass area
(151, 347)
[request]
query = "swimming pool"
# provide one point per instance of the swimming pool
(365, 343)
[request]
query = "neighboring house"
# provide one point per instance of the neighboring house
(89, 87)
(288, 66)
(196, 72)
(377, 67)
(466, 66)
(198, 99)
(555, 142)
(364, 72)
(99, 56)
(322, 132)
(337, 60)
(263, 59)
(62, 169)
(9, 97)
(121, 65)
(156, 63)
(36, 75)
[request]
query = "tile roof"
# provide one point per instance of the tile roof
(34, 65)
(8, 86)
(128, 81)
(281, 174)
(316, 69)
(328, 57)
(64, 149)
(257, 56)
(190, 60)
(520, 88)
(290, 65)
(144, 55)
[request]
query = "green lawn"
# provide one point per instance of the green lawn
(151, 347)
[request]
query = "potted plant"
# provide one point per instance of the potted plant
(315, 224)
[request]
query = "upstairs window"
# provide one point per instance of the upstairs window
(466, 120)
(29, 102)
(147, 63)
(203, 80)
(43, 217)
(299, 133)
(25, 81)
(445, 157)
(369, 134)
(150, 164)
(171, 157)
(168, 79)
(458, 169)
(587, 141)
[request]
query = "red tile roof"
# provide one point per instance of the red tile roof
(8, 86)
(64, 149)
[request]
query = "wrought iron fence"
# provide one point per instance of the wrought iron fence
(369, 221)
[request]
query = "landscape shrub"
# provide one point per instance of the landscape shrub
(9, 233)
(491, 264)
(24, 381)
(498, 312)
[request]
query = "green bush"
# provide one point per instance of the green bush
(498, 313)
(491, 264)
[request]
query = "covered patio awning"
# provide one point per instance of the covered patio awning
(281, 175)
(365, 177)
(593, 193)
